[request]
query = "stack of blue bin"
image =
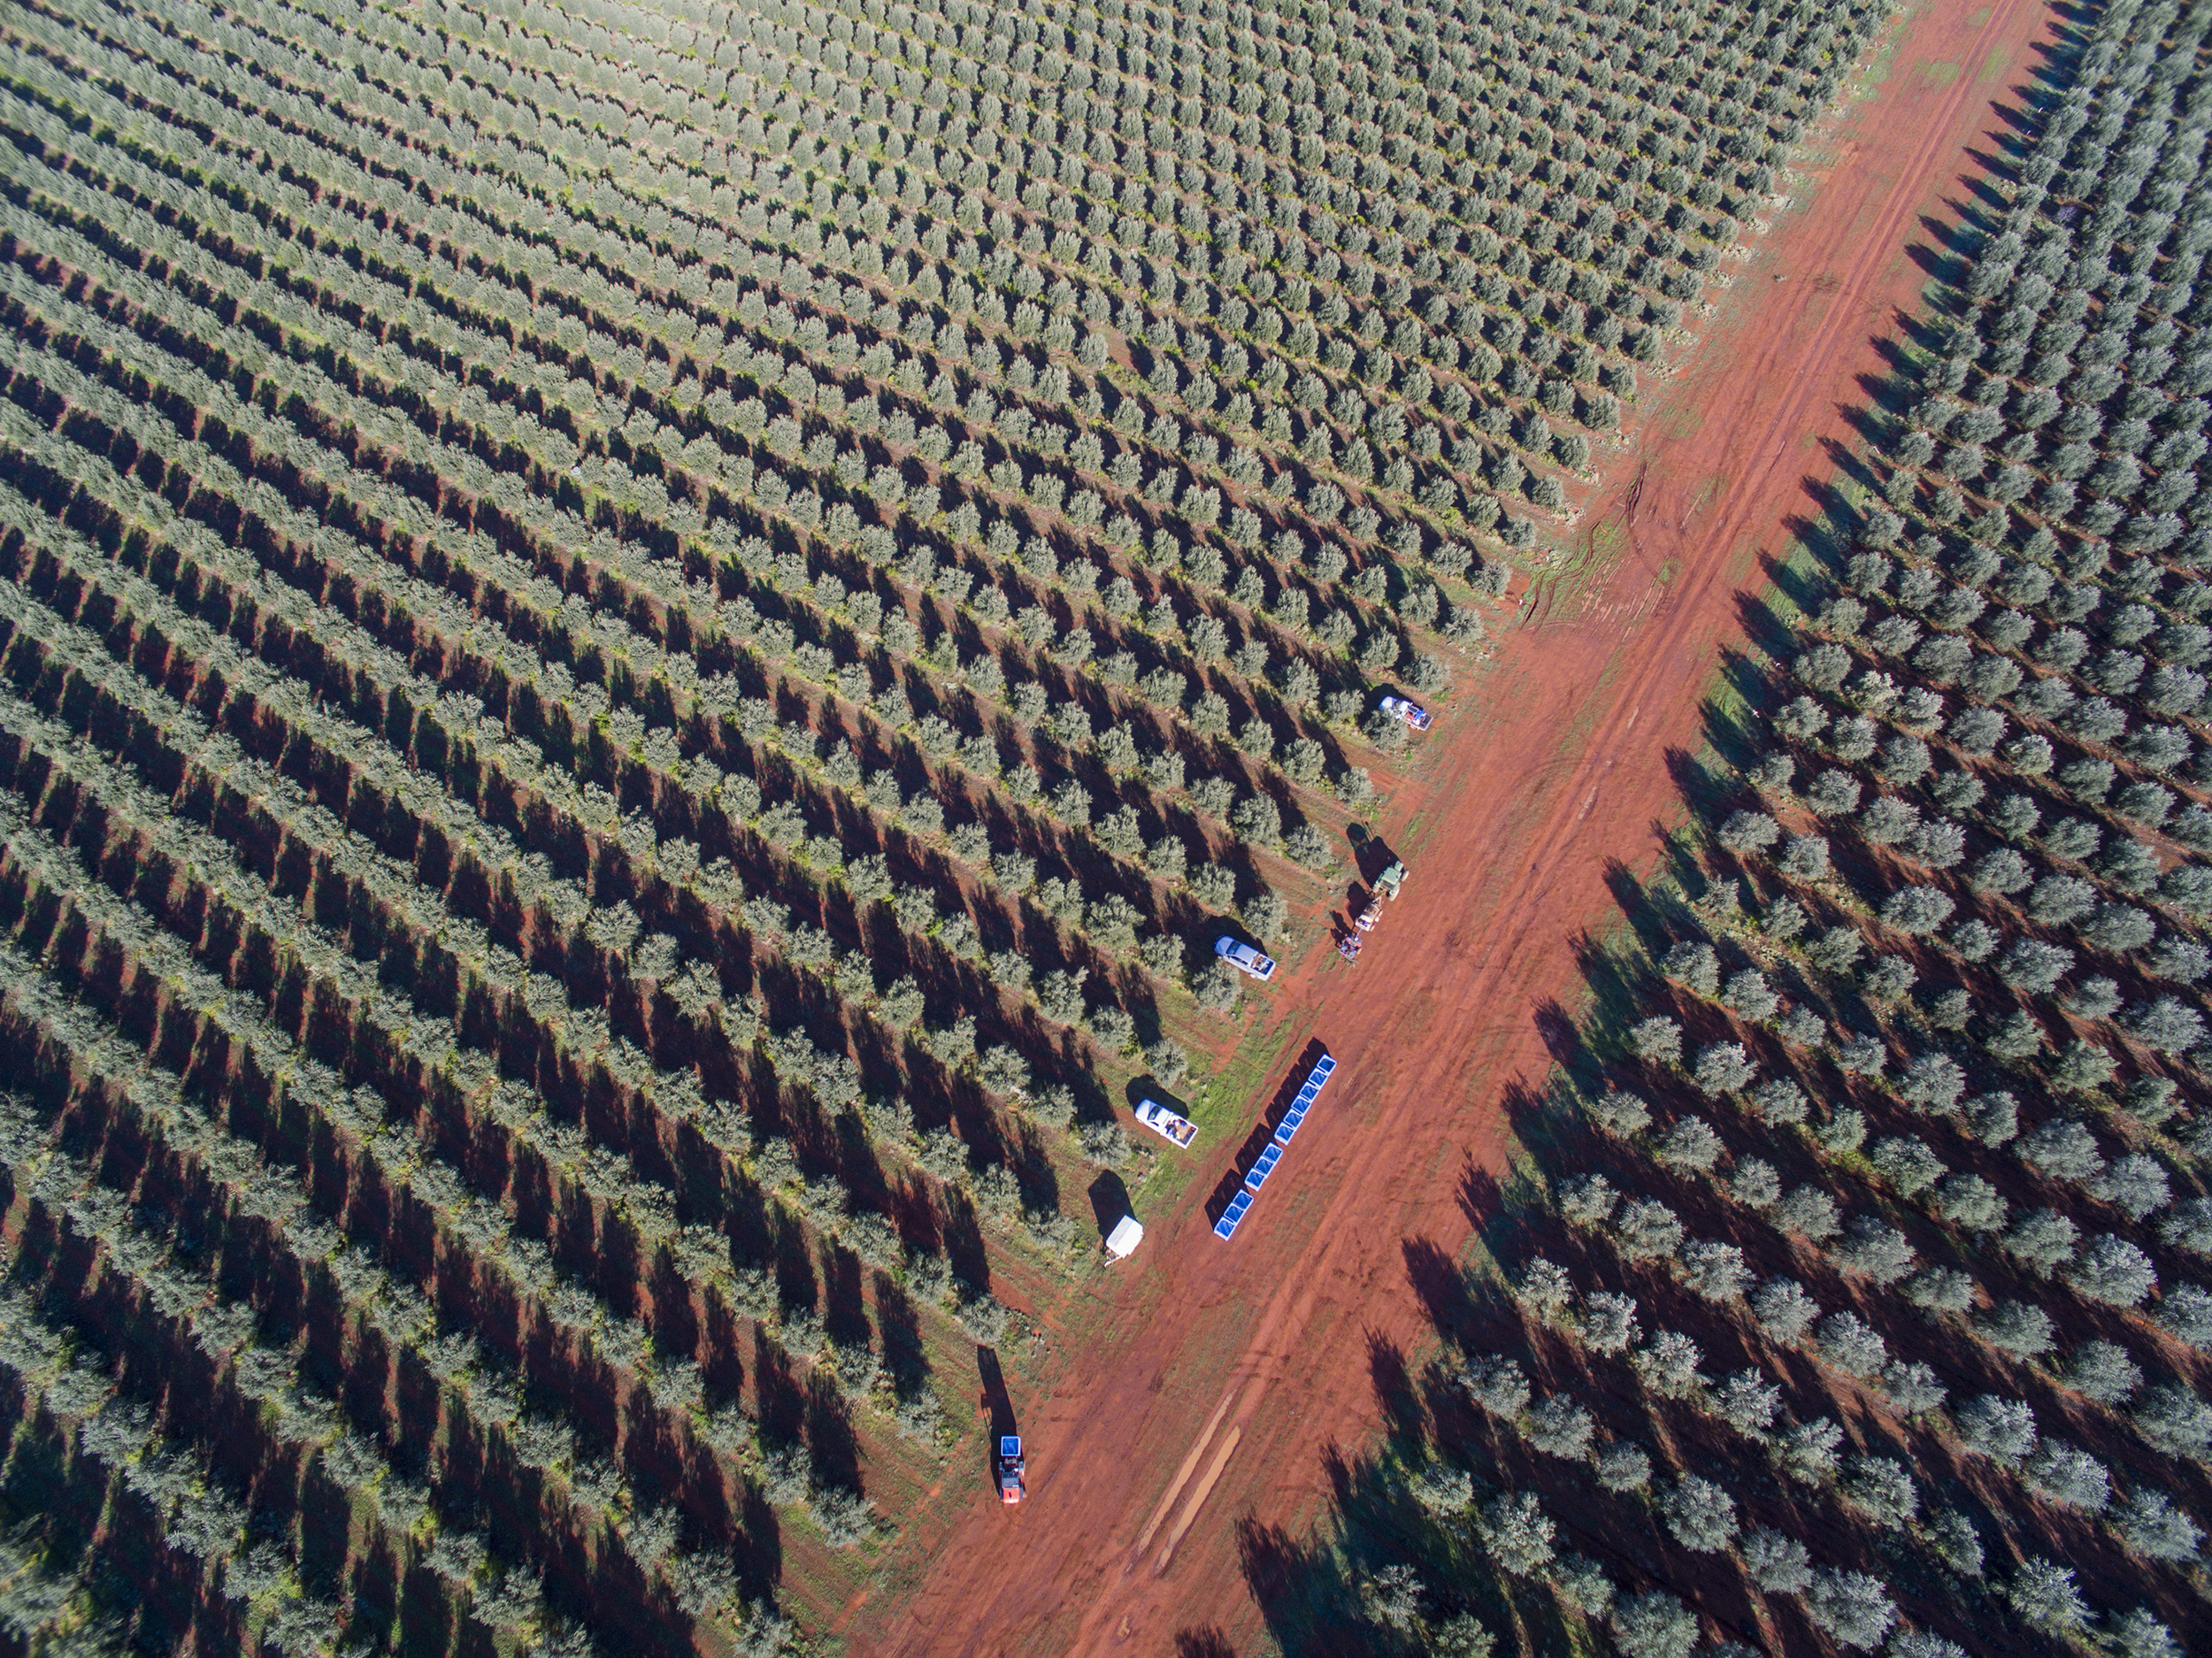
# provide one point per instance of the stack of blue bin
(1272, 1154)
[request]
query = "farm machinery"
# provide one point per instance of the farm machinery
(1388, 885)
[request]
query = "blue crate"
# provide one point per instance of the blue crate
(1262, 1166)
(1306, 1097)
(1327, 1065)
(1288, 1132)
(1226, 1226)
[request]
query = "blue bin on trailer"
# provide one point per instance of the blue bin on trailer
(1226, 1226)
(1264, 1165)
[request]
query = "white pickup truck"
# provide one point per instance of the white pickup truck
(1411, 713)
(1177, 1131)
(1246, 957)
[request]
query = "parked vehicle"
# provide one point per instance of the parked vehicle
(1009, 1468)
(1392, 881)
(1246, 957)
(1178, 1130)
(1412, 713)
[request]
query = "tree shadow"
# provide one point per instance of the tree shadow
(1395, 1391)
(1301, 1588)
(1209, 1642)
(832, 1444)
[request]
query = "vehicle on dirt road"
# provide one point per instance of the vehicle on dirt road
(1411, 713)
(1246, 957)
(1392, 881)
(1177, 1129)
(1009, 1468)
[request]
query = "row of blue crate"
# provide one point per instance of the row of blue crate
(1264, 1165)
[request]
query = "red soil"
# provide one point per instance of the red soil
(1202, 1403)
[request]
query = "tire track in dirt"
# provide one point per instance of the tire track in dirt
(1324, 1262)
(1175, 1486)
(1198, 1498)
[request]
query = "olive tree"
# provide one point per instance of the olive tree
(1700, 1514)
(1783, 1310)
(1778, 1564)
(1561, 1428)
(1668, 1364)
(1880, 1488)
(2137, 1633)
(2019, 1329)
(1847, 1341)
(1518, 1533)
(2042, 1592)
(2112, 1270)
(2068, 1476)
(1851, 1607)
(2150, 1524)
(1498, 1385)
(1609, 1322)
(2101, 1371)
(1654, 1624)
(1999, 1428)
(2172, 1420)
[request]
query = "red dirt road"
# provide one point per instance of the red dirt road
(1207, 1394)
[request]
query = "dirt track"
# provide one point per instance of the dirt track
(1210, 1393)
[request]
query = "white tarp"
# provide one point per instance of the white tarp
(1125, 1236)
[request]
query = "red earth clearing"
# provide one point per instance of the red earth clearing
(1200, 1405)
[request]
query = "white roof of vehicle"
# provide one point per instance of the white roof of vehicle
(1126, 1235)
